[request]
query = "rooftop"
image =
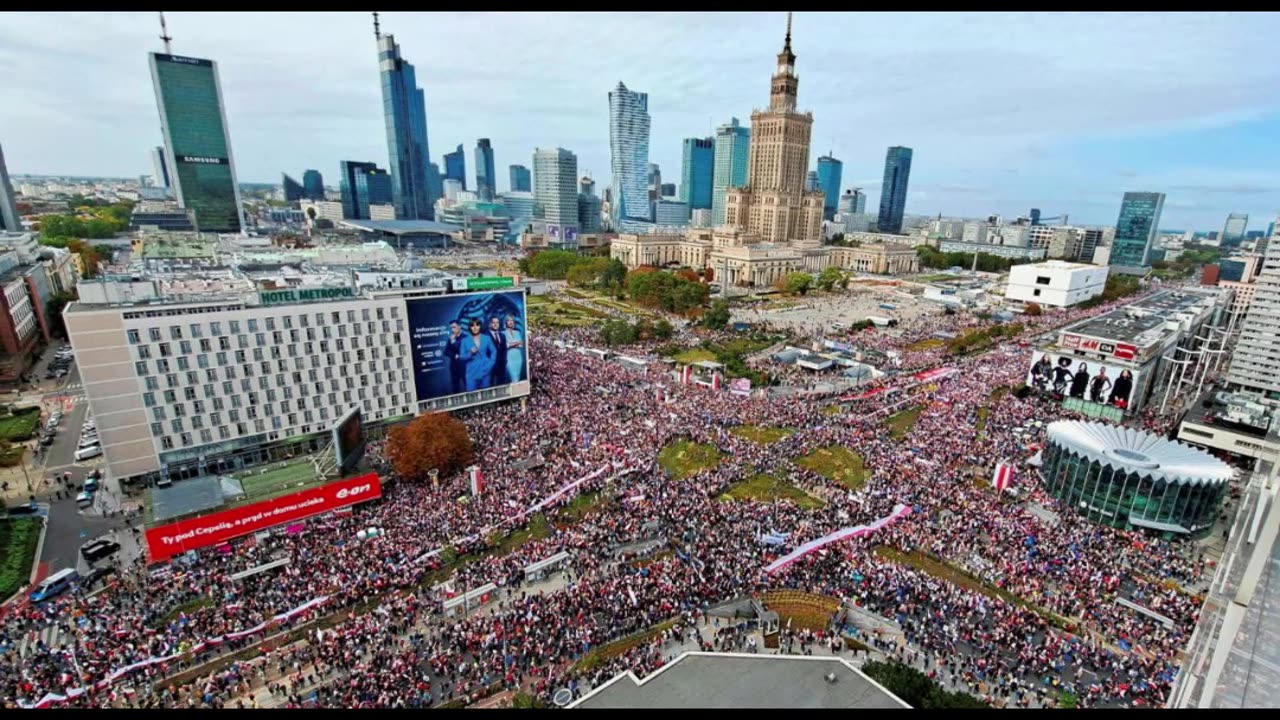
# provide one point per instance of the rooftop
(402, 227)
(736, 681)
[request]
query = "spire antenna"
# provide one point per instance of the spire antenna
(164, 35)
(377, 31)
(788, 41)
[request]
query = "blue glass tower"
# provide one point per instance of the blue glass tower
(405, 109)
(521, 180)
(1136, 230)
(697, 169)
(629, 154)
(455, 167)
(292, 188)
(731, 154)
(829, 172)
(486, 179)
(359, 191)
(313, 184)
(893, 191)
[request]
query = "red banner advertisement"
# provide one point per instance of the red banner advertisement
(176, 538)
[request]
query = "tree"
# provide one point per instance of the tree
(1034, 310)
(311, 213)
(717, 318)
(554, 264)
(435, 441)
(89, 256)
(617, 332)
(662, 329)
(53, 311)
(615, 275)
(797, 283)
(830, 277)
(916, 689)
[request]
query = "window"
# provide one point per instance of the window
(134, 337)
(1042, 280)
(1037, 292)
(154, 334)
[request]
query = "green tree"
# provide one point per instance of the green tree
(687, 296)
(830, 277)
(553, 264)
(717, 317)
(662, 329)
(617, 332)
(797, 283)
(588, 273)
(615, 275)
(53, 311)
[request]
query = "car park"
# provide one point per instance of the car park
(96, 550)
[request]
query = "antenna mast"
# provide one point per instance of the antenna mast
(164, 35)
(377, 32)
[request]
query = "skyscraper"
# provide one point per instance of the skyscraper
(1233, 230)
(9, 218)
(293, 191)
(853, 202)
(455, 166)
(159, 170)
(197, 144)
(1136, 230)
(486, 179)
(811, 181)
(521, 181)
(829, 172)
(893, 190)
(405, 110)
(1255, 365)
(654, 184)
(589, 204)
(313, 184)
(435, 183)
(363, 184)
(775, 205)
(733, 144)
(697, 171)
(555, 191)
(629, 154)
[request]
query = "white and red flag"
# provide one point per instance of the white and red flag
(1002, 477)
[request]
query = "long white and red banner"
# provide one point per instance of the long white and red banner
(1002, 476)
(899, 511)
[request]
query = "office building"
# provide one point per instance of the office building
(486, 180)
(1255, 365)
(589, 207)
(893, 190)
(670, 213)
(668, 190)
(700, 218)
(811, 181)
(455, 166)
(197, 143)
(629, 154)
(829, 172)
(732, 153)
(1055, 283)
(364, 184)
(452, 189)
(292, 189)
(521, 181)
(852, 202)
(405, 111)
(159, 170)
(555, 192)
(519, 208)
(9, 218)
(697, 172)
(1136, 231)
(1234, 229)
(313, 184)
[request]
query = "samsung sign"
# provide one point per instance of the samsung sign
(285, 297)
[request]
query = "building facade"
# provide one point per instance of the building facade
(405, 112)
(697, 172)
(455, 166)
(893, 190)
(362, 184)
(159, 171)
(629, 154)
(589, 207)
(555, 190)
(521, 180)
(292, 189)
(486, 179)
(1234, 229)
(1136, 230)
(1255, 365)
(829, 172)
(1055, 283)
(732, 151)
(313, 184)
(197, 142)
(853, 202)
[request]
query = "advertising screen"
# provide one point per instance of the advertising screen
(348, 438)
(1086, 385)
(176, 538)
(468, 342)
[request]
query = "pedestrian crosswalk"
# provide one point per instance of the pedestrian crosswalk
(52, 636)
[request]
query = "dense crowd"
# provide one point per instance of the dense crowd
(390, 643)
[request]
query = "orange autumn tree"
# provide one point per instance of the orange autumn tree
(436, 441)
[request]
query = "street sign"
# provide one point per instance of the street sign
(490, 283)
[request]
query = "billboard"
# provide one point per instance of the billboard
(176, 538)
(348, 438)
(1118, 350)
(463, 343)
(1085, 385)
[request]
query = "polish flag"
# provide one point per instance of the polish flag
(1002, 477)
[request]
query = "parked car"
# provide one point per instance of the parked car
(54, 585)
(47, 439)
(86, 453)
(91, 485)
(24, 509)
(97, 576)
(84, 500)
(96, 550)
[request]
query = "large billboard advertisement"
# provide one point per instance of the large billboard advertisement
(165, 541)
(1097, 389)
(468, 342)
(348, 438)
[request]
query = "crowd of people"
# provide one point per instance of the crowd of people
(388, 640)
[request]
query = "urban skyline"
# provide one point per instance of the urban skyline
(1203, 149)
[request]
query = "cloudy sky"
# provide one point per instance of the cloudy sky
(1061, 111)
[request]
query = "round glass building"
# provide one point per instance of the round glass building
(1126, 478)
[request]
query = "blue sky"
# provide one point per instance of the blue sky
(1005, 111)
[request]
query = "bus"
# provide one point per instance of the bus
(54, 585)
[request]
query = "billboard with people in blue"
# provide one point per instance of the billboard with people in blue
(468, 342)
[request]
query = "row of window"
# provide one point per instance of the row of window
(322, 320)
(383, 407)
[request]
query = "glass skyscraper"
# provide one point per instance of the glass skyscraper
(9, 218)
(697, 172)
(1136, 229)
(629, 153)
(292, 188)
(486, 179)
(521, 180)
(364, 184)
(893, 191)
(158, 168)
(313, 184)
(1233, 231)
(196, 142)
(731, 154)
(455, 166)
(555, 186)
(829, 172)
(405, 108)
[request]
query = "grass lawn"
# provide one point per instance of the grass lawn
(18, 540)
(694, 355)
(12, 456)
(957, 576)
(762, 435)
(837, 463)
(765, 488)
(900, 423)
(927, 343)
(581, 506)
(277, 479)
(608, 651)
(562, 313)
(683, 458)
(19, 426)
